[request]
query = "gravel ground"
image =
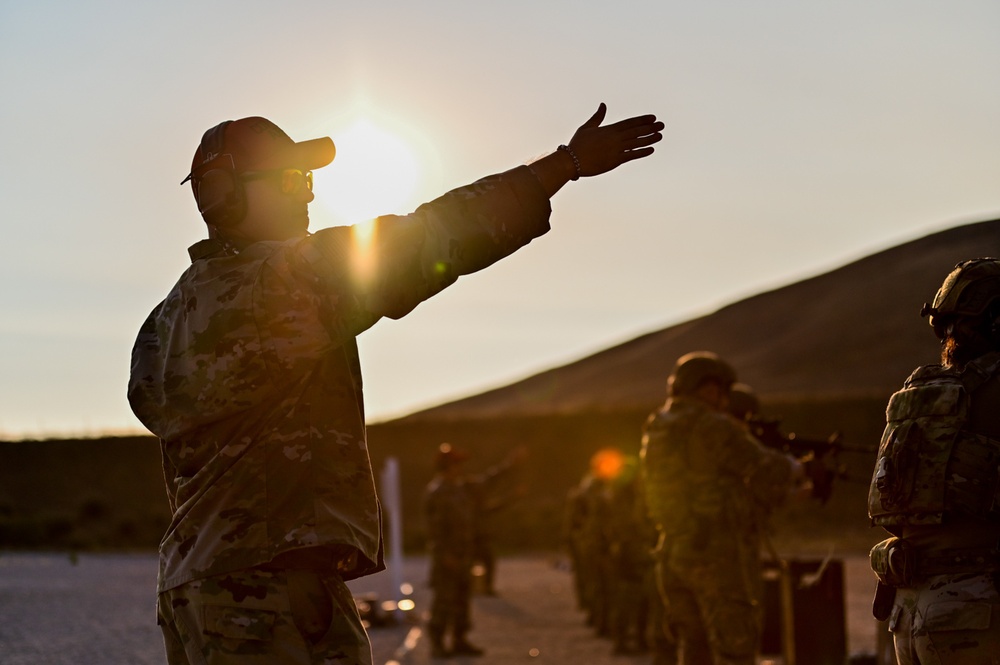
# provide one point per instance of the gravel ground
(99, 610)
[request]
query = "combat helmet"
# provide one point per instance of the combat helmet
(693, 369)
(968, 290)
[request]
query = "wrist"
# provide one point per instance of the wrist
(577, 172)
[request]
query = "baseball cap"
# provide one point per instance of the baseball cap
(257, 144)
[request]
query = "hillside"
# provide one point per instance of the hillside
(824, 353)
(851, 332)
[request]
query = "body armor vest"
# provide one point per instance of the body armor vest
(929, 466)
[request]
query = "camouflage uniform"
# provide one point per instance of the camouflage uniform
(705, 480)
(248, 372)
(451, 530)
(595, 568)
(260, 616)
(631, 537)
(453, 506)
(936, 491)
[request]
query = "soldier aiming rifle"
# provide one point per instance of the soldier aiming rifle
(818, 456)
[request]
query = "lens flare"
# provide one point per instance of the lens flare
(607, 463)
(375, 173)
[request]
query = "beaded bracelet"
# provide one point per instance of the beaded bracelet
(576, 162)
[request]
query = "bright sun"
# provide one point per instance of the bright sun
(375, 173)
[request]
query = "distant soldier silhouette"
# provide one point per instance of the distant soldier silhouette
(591, 514)
(631, 537)
(452, 505)
(935, 485)
(450, 509)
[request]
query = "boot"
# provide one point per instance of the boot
(462, 647)
(438, 649)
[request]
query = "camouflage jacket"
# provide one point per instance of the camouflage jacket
(450, 511)
(457, 510)
(935, 481)
(707, 481)
(248, 372)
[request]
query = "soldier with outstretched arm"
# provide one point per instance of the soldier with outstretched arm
(248, 373)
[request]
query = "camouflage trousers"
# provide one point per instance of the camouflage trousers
(451, 605)
(713, 613)
(947, 620)
(263, 617)
(662, 637)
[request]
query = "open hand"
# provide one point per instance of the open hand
(601, 149)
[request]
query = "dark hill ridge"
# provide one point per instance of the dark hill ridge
(824, 353)
(851, 332)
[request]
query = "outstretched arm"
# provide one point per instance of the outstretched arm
(594, 149)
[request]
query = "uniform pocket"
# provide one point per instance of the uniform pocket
(894, 616)
(239, 623)
(957, 615)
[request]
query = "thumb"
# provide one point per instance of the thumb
(598, 117)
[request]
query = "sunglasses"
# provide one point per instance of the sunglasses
(292, 181)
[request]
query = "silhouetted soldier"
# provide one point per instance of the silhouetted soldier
(935, 484)
(249, 374)
(631, 538)
(576, 515)
(704, 475)
(450, 509)
(597, 569)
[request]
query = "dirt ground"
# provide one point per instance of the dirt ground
(535, 611)
(63, 610)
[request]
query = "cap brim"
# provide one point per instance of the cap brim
(315, 153)
(309, 155)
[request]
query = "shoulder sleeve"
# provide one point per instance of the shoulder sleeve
(767, 473)
(386, 267)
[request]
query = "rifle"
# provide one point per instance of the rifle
(818, 456)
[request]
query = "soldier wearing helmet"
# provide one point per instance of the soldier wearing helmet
(936, 484)
(705, 477)
(965, 313)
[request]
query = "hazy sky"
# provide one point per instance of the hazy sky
(800, 135)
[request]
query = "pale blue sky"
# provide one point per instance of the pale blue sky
(800, 135)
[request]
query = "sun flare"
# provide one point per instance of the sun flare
(375, 173)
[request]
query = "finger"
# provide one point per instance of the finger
(639, 121)
(598, 117)
(643, 141)
(636, 154)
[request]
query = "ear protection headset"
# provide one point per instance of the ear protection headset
(218, 191)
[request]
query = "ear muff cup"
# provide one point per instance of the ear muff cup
(218, 191)
(220, 197)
